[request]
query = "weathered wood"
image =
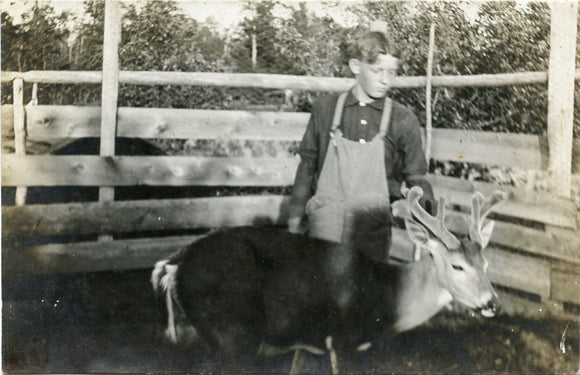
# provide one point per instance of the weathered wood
(563, 24)
(110, 85)
(517, 194)
(518, 237)
(505, 234)
(505, 267)
(90, 256)
(19, 132)
(53, 124)
(516, 305)
(428, 90)
(517, 271)
(48, 122)
(509, 149)
(566, 285)
(521, 204)
(131, 216)
(50, 170)
(57, 122)
(274, 81)
(83, 170)
(110, 91)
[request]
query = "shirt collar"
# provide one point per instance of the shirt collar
(376, 104)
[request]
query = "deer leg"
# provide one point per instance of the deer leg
(332, 355)
(297, 362)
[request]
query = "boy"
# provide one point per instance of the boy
(358, 149)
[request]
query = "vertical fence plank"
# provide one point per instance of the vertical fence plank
(561, 93)
(110, 87)
(19, 132)
(428, 90)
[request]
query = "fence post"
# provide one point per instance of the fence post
(561, 93)
(19, 132)
(110, 87)
(428, 90)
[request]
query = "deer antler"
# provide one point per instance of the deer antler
(436, 224)
(480, 208)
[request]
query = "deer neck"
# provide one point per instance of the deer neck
(422, 294)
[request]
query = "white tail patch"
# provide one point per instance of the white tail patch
(156, 274)
(168, 284)
(164, 277)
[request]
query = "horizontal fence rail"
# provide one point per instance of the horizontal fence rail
(274, 81)
(505, 266)
(84, 170)
(51, 123)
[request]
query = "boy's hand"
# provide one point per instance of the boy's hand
(295, 225)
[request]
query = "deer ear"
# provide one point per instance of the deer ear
(486, 232)
(418, 234)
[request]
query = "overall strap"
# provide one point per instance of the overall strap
(338, 111)
(385, 119)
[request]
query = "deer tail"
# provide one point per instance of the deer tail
(163, 279)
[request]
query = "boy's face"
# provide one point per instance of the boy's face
(375, 79)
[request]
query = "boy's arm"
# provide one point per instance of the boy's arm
(415, 165)
(302, 189)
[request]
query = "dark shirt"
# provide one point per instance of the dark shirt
(404, 157)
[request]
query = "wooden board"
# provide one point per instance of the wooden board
(56, 122)
(50, 123)
(518, 271)
(505, 267)
(565, 284)
(90, 256)
(60, 170)
(51, 170)
(515, 305)
(522, 238)
(554, 211)
(280, 81)
(131, 216)
(505, 149)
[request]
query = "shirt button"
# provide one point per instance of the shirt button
(362, 141)
(363, 122)
(362, 104)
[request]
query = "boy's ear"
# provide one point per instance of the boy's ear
(354, 65)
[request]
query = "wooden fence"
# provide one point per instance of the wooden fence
(534, 251)
(550, 260)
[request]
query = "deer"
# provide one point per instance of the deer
(251, 292)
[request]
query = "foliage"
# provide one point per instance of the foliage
(502, 37)
(39, 43)
(497, 37)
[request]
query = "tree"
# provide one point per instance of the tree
(38, 43)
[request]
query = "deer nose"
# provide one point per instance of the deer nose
(490, 308)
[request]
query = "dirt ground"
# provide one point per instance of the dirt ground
(109, 323)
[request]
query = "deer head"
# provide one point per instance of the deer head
(460, 264)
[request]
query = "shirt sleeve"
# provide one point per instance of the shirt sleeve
(415, 165)
(303, 182)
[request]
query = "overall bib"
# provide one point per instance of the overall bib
(351, 203)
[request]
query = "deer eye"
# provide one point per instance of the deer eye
(456, 267)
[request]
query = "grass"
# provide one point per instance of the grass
(108, 323)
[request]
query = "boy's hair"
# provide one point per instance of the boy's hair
(372, 44)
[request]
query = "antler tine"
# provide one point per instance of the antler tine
(495, 197)
(435, 224)
(476, 221)
(480, 208)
